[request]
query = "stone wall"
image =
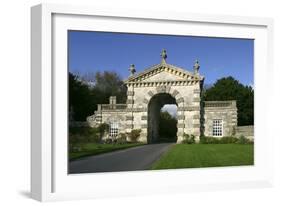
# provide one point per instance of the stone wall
(225, 110)
(247, 131)
(136, 116)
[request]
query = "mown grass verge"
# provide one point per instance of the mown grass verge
(206, 155)
(88, 149)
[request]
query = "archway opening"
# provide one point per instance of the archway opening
(162, 120)
(168, 123)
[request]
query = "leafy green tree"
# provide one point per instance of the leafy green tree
(110, 84)
(80, 101)
(167, 127)
(83, 99)
(228, 88)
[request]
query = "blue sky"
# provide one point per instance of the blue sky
(218, 57)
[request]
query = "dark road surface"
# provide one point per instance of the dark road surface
(137, 158)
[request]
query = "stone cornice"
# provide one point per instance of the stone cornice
(220, 104)
(165, 83)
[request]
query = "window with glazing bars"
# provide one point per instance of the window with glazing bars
(217, 128)
(113, 131)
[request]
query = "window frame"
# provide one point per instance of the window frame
(113, 129)
(217, 127)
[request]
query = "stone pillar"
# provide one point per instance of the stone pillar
(196, 125)
(196, 118)
(181, 122)
(130, 109)
(144, 127)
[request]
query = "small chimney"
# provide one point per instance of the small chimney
(112, 101)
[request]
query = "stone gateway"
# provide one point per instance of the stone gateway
(163, 84)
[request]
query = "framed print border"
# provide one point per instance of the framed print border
(49, 179)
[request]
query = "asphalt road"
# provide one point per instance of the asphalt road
(136, 158)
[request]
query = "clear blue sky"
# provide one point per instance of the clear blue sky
(218, 57)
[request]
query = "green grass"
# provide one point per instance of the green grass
(206, 155)
(95, 149)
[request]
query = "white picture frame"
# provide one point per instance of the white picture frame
(49, 179)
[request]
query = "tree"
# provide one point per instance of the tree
(110, 84)
(228, 88)
(167, 127)
(80, 100)
(83, 99)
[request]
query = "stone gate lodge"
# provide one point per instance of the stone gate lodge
(163, 84)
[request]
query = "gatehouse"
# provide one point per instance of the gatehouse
(148, 91)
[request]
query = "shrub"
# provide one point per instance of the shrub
(209, 140)
(228, 140)
(134, 135)
(243, 140)
(188, 139)
(95, 138)
(223, 140)
(122, 138)
(102, 128)
(108, 141)
(87, 134)
(76, 147)
(83, 135)
(202, 140)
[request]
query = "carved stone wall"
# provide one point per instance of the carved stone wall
(224, 110)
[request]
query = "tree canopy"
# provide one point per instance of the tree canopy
(83, 99)
(228, 88)
(80, 98)
(110, 84)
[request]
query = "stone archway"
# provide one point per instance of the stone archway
(182, 86)
(154, 106)
(153, 101)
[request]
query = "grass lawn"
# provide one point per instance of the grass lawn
(94, 149)
(206, 155)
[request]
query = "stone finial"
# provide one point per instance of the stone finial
(132, 69)
(163, 56)
(196, 67)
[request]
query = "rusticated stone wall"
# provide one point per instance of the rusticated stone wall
(225, 110)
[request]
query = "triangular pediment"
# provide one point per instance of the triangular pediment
(164, 72)
(163, 76)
